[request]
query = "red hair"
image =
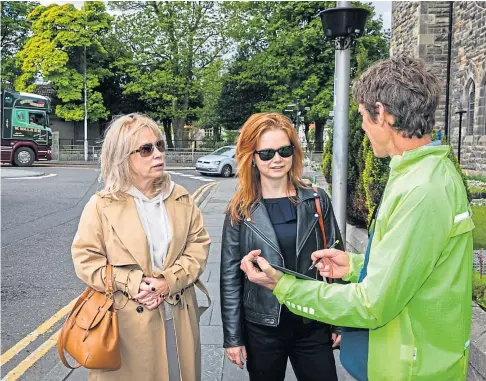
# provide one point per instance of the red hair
(249, 191)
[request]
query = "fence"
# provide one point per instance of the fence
(476, 265)
(187, 156)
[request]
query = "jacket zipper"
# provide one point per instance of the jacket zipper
(254, 230)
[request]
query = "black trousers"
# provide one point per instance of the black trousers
(307, 345)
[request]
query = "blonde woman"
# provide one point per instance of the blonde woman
(131, 225)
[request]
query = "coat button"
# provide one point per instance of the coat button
(139, 309)
(177, 297)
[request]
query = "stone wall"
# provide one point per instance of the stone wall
(469, 68)
(421, 29)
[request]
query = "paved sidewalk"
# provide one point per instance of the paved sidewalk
(215, 366)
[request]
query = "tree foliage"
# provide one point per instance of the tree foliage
(281, 59)
(15, 29)
(63, 37)
(172, 46)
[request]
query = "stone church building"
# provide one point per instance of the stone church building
(451, 37)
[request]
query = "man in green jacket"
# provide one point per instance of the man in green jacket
(408, 306)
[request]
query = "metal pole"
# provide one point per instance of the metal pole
(85, 111)
(460, 138)
(340, 134)
(448, 77)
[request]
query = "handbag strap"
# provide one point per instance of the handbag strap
(317, 200)
(109, 280)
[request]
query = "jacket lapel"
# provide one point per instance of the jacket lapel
(179, 212)
(263, 225)
(306, 217)
(123, 217)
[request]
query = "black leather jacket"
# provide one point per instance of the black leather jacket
(241, 299)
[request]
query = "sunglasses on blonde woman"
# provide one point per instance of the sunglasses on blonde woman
(147, 149)
(268, 154)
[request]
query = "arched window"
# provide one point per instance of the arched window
(470, 109)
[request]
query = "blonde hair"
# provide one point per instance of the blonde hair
(120, 140)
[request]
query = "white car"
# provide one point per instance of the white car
(221, 162)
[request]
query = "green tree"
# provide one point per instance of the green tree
(15, 29)
(64, 40)
(211, 86)
(281, 60)
(173, 44)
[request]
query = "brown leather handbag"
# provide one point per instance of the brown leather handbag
(90, 333)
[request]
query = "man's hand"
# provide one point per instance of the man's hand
(336, 340)
(267, 277)
(334, 263)
(236, 355)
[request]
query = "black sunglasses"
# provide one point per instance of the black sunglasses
(268, 154)
(147, 149)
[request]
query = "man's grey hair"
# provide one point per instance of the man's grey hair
(407, 90)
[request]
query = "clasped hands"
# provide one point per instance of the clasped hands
(152, 292)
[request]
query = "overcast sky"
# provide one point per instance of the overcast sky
(383, 8)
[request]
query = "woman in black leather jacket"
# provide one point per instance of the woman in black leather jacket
(273, 211)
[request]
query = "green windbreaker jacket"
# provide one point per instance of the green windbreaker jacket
(416, 297)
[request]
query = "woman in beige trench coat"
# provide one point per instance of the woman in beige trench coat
(152, 232)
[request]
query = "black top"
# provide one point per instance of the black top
(283, 214)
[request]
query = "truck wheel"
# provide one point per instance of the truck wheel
(24, 157)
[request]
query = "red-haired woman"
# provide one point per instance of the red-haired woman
(274, 211)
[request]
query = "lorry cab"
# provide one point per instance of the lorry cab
(26, 133)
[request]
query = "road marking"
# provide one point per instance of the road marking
(31, 177)
(200, 191)
(188, 175)
(42, 350)
(40, 330)
(30, 360)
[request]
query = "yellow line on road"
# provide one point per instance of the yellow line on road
(35, 356)
(200, 191)
(43, 328)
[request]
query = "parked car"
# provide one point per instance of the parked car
(220, 162)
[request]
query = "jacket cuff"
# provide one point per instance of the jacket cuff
(356, 262)
(283, 287)
(127, 280)
(232, 342)
(172, 275)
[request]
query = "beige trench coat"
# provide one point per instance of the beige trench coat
(112, 230)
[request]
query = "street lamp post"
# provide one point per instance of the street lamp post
(462, 110)
(85, 111)
(343, 25)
